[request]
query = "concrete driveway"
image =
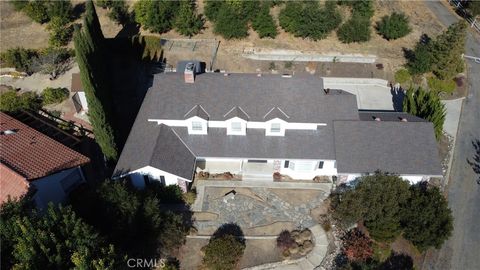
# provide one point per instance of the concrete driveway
(372, 94)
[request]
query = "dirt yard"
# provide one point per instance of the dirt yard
(389, 53)
(18, 30)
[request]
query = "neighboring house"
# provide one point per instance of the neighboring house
(32, 161)
(79, 99)
(256, 125)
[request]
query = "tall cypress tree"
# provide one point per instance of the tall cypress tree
(89, 49)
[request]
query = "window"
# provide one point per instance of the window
(320, 165)
(197, 126)
(236, 127)
(275, 128)
(286, 164)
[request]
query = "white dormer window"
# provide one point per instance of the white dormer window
(275, 128)
(197, 126)
(236, 126)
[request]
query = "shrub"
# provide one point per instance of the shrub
(37, 11)
(156, 16)
(223, 252)
(54, 95)
(19, 58)
(230, 24)
(426, 105)
(190, 197)
(421, 60)
(377, 200)
(357, 29)
(431, 226)
(187, 21)
(60, 32)
(10, 101)
(309, 20)
(402, 76)
(285, 240)
(264, 24)
(394, 26)
(357, 246)
(437, 85)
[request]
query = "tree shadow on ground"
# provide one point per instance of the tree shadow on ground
(397, 261)
(475, 161)
(229, 229)
(78, 10)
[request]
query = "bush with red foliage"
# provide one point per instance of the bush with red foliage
(357, 246)
(285, 240)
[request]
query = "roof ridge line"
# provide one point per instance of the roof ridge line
(176, 134)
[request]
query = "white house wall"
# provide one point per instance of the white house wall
(83, 100)
(50, 188)
(413, 179)
(156, 174)
(327, 170)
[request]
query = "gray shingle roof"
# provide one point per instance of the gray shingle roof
(300, 97)
(389, 116)
(236, 112)
(296, 144)
(197, 110)
(395, 147)
(150, 144)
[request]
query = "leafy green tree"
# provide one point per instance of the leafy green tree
(19, 58)
(10, 101)
(357, 29)
(421, 60)
(426, 105)
(447, 50)
(54, 95)
(118, 10)
(60, 8)
(187, 21)
(377, 200)
(156, 16)
(394, 26)
(223, 252)
(50, 240)
(309, 20)
(264, 24)
(60, 32)
(230, 24)
(19, 5)
(426, 219)
(37, 11)
(212, 8)
(91, 59)
(135, 224)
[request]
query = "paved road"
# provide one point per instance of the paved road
(461, 251)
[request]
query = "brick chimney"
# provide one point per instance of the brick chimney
(189, 73)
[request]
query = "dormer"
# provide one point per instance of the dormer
(197, 120)
(236, 121)
(275, 122)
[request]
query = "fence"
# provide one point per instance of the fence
(460, 9)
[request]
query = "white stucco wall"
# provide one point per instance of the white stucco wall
(155, 174)
(413, 179)
(219, 165)
(83, 100)
(50, 188)
(327, 170)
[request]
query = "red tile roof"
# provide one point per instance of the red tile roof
(11, 184)
(32, 154)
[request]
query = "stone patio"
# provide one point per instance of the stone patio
(257, 208)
